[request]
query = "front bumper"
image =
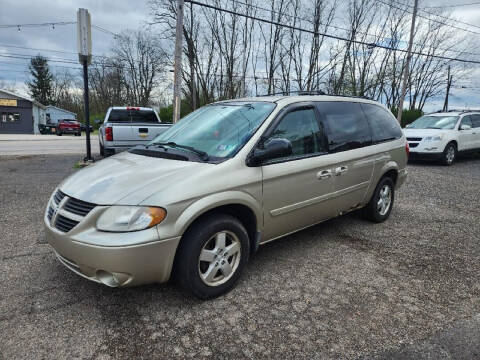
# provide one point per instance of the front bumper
(149, 260)
(425, 155)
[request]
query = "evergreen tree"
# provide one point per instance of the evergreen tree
(40, 85)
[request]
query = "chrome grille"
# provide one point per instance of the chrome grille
(50, 213)
(58, 197)
(65, 224)
(61, 206)
(78, 207)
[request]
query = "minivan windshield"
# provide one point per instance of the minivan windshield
(218, 130)
(434, 122)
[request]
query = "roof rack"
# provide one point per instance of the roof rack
(460, 111)
(312, 92)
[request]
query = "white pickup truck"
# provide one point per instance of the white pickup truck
(125, 127)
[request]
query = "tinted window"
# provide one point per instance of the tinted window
(476, 121)
(466, 120)
(384, 126)
(301, 128)
(143, 116)
(346, 125)
(119, 116)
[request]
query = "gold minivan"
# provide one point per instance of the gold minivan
(199, 199)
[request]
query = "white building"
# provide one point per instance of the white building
(53, 114)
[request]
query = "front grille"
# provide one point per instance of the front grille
(414, 139)
(412, 145)
(64, 224)
(58, 197)
(78, 207)
(50, 213)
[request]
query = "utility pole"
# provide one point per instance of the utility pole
(407, 65)
(84, 42)
(449, 83)
(177, 73)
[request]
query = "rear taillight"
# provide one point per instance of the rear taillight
(108, 134)
(407, 149)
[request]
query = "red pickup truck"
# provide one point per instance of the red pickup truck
(69, 127)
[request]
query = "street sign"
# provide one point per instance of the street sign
(84, 36)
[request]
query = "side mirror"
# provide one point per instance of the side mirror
(465, 127)
(272, 149)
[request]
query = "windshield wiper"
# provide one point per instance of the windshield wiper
(203, 155)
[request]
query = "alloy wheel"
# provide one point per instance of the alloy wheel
(385, 200)
(219, 258)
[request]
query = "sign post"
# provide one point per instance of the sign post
(84, 42)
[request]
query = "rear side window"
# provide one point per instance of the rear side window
(346, 125)
(301, 128)
(384, 126)
(475, 120)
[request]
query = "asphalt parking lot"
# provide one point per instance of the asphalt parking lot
(347, 288)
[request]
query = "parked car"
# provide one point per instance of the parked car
(67, 126)
(200, 198)
(442, 136)
(83, 127)
(125, 127)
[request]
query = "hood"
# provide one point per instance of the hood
(424, 132)
(127, 178)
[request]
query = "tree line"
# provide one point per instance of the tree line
(227, 55)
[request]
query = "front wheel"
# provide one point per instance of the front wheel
(449, 154)
(212, 256)
(381, 203)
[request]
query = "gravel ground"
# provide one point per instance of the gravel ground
(407, 288)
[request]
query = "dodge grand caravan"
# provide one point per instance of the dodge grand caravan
(198, 200)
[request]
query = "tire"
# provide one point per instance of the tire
(211, 238)
(375, 210)
(449, 155)
(102, 150)
(78, 134)
(59, 133)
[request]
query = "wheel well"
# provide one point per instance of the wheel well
(454, 142)
(393, 174)
(243, 213)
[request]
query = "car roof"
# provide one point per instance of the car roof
(130, 107)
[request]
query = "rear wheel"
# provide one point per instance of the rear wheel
(212, 256)
(59, 133)
(381, 203)
(449, 154)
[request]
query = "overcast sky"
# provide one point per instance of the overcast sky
(119, 15)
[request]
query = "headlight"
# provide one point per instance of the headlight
(433, 138)
(130, 218)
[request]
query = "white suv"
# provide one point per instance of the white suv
(441, 136)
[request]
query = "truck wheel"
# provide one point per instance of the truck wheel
(449, 154)
(381, 203)
(212, 256)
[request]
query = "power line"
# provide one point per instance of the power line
(336, 37)
(52, 24)
(450, 6)
(433, 20)
(344, 29)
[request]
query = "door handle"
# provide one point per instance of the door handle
(340, 170)
(324, 174)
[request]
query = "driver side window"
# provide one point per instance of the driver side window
(302, 129)
(466, 121)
